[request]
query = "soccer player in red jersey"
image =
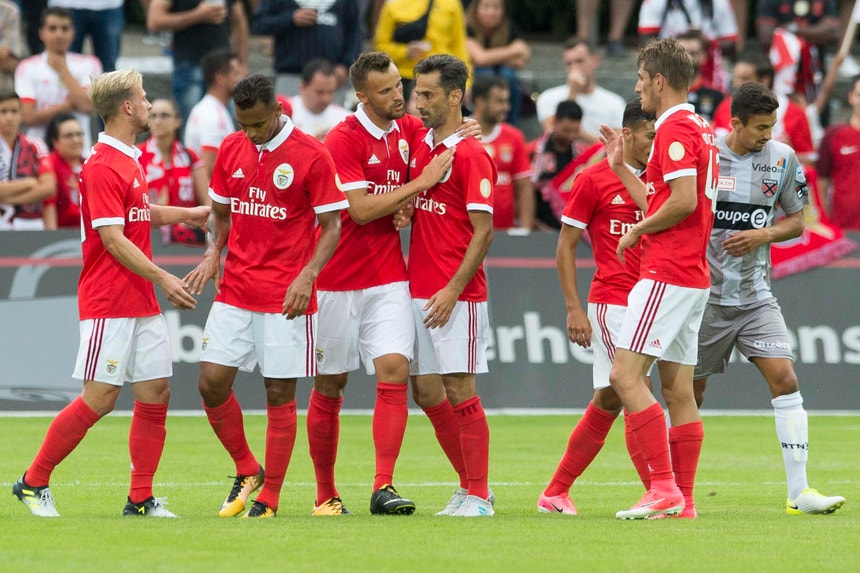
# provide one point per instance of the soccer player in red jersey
(514, 203)
(452, 229)
(365, 310)
(270, 185)
(665, 307)
(601, 205)
(124, 336)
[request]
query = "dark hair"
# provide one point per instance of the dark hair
(568, 109)
(453, 72)
(216, 62)
(497, 38)
(761, 63)
(366, 63)
(6, 95)
(692, 34)
(316, 66)
(753, 98)
(669, 59)
(633, 114)
(57, 11)
(253, 90)
(52, 132)
(575, 42)
(484, 84)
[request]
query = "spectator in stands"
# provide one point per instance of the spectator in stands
(400, 35)
(210, 120)
(599, 105)
(199, 27)
(839, 166)
(514, 203)
(65, 139)
(305, 31)
(175, 175)
(102, 21)
(10, 43)
(715, 19)
(703, 98)
(313, 110)
(25, 180)
(495, 47)
(619, 16)
(558, 146)
(56, 80)
(31, 13)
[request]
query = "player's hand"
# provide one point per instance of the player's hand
(305, 17)
(57, 62)
(627, 241)
(209, 13)
(437, 168)
(177, 293)
(470, 128)
(209, 268)
(298, 295)
(614, 146)
(745, 242)
(197, 216)
(403, 216)
(578, 327)
(439, 308)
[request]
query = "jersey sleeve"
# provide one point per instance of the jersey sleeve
(793, 194)
(582, 202)
(106, 190)
(348, 155)
(25, 85)
(219, 190)
(478, 175)
(324, 193)
(651, 17)
(678, 151)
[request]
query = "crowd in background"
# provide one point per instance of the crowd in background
(46, 116)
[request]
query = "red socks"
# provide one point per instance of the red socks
(64, 434)
(585, 442)
(474, 444)
(280, 439)
(323, 431)
(228, 424)
(145, 445)
(389, 425)
(685, 443)
(649, 431)
(448, 434)
(635, 453)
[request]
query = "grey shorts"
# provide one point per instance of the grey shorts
(758, 331)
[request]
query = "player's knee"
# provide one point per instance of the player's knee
(607, 400)
(784, 383)
(331, 386)
(699, 392)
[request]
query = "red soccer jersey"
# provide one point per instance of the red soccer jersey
(601, 204)
(683, 147)
(274, 192)
(67, 199)
(507, 147)
(170, 185)
(366, 156)
(838, 160)
(441, 228)
(113, 192)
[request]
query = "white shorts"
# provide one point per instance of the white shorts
(241, 338)
(606, 320)
(120, 350)
(458, 347)
(361, 325)
(663, 321)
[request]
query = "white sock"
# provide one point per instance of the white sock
(792, 431)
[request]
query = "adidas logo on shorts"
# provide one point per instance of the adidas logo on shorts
(655, 344)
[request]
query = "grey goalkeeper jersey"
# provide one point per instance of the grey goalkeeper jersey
(750, 189)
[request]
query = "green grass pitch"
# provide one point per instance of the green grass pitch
(740, 497)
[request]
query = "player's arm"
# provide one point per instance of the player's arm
(440, 306)
(364, 208)
(525, 194)
(747, 241)
(216, 239)
(162, 215)
(49, 216)
(131, 257)
(680, 204)
(578, 326)
(299, 292)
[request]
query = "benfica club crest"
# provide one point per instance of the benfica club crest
(320, 354)
(111, 367)
(768, 187)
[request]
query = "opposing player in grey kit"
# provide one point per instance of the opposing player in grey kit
(757, 176)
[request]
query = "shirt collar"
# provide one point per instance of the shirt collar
(132, 152)
(493, 134)
(448, 142)
(674, 109)
(281, 137)
(634, 171)
(371, 127)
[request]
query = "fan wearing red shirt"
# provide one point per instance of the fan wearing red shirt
(66, 141)
(365, 310)
(124, 336)
(601, 205)
(452, 229)
(270, 185)
(665, 307)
